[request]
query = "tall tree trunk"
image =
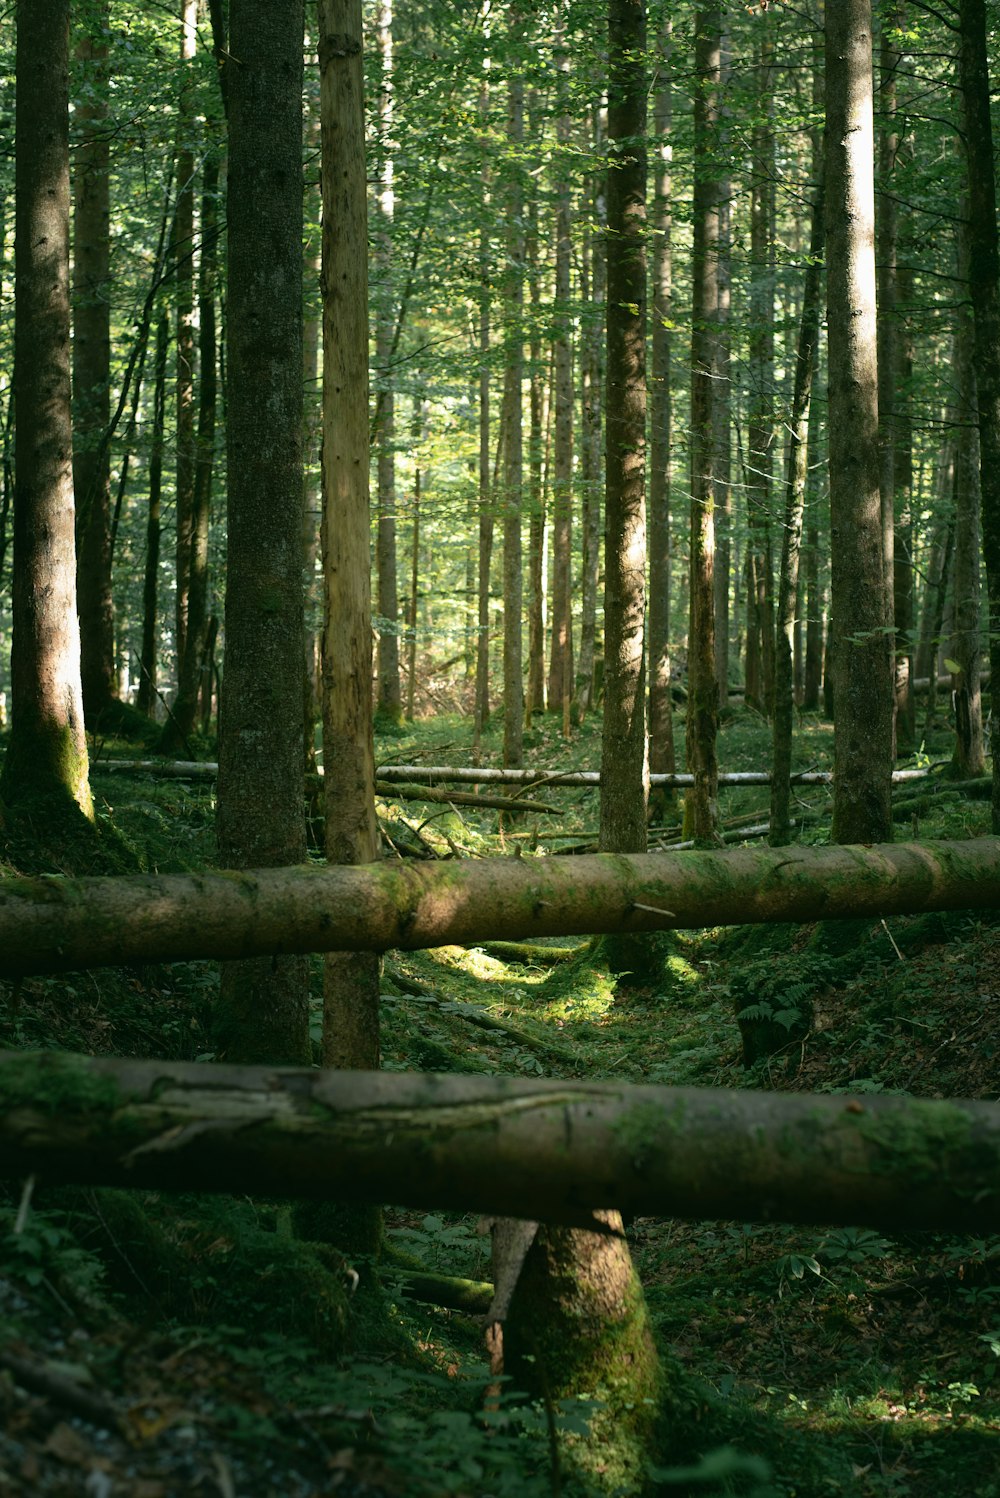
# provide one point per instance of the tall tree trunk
(146, 698)
(181, 721)
(964, 646)
(46, 756)
(513, 682)
(417, 433)
(624, 744)
(795, 495)
(350, 1004)
(722, 412)
(661, 721)
(182, 256)
(92, 372)
(701, 806)
(537, 528)
(263, 1010)
(936, 587)
(481, 711)
(863, 696)
(592, 293)
(561, 658)
(984, 286)
(760, 440)
(390, 702)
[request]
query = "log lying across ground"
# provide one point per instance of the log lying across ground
(552, 1151)
(54, 924)
(425, 775)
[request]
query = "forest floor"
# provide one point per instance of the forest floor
(156, 1345)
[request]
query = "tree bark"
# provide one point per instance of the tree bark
(701, 806)
(624, 743)
(863, 692)
(593, 294)
(390, 699)
(182, 257)
(984, 285)
(59, 925)
(262, 1010)
(92, 372)
(795, 495)
(969, 756)
(481, 711)
(661, 720)
(146, 698)
(350, 1002)
(46, 757)
(553, 1150)
(561, 657)
(513, 585)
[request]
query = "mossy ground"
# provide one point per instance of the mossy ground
(797, 1361)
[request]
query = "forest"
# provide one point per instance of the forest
(499, 839)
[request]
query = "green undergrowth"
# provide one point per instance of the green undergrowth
(798, 1362)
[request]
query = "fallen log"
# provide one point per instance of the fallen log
(54, 924)
(407, 792)
(550, 1151)
(470, 775)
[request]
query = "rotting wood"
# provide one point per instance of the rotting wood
(545, 1150)
(54, 924)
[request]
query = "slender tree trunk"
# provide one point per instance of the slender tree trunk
(760, 440)
(591, 386)
(661, 722)
(350, 1017)
(701, 806)
(984, 286)
(535, 701)
(46, 757)
(863, 696)
(938, 568)
(722, 406)
(624, 744)
(263, 1011)
(561, 658)
(146, 699)
(482, 705)
(92, 372)
(513, 682)
(184, 712)
(795, 494)
(182, 248)
(964, 646)
(416, 432)
(390, 708)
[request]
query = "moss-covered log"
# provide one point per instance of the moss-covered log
(547, 1150)
(53, 924)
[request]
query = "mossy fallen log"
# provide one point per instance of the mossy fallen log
(546, 1150)
(54, 924)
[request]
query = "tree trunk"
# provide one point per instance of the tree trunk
(416, 434)
(262, 1010)
(964, 649)
(592, 293)
(984, 285)
(722, 404)
(661, 721)
(92, 372)
(350, 1003)
(624, 752)
(182, 257)
(760, 437)
(481, 710)
(795, 494)
(561, 658)
(863, 692)
(535, 701)
(191, 665)
(701, 806)
(558, 1150)
(513, 683)
(390, 699)
(146, 699)
(46, 757)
